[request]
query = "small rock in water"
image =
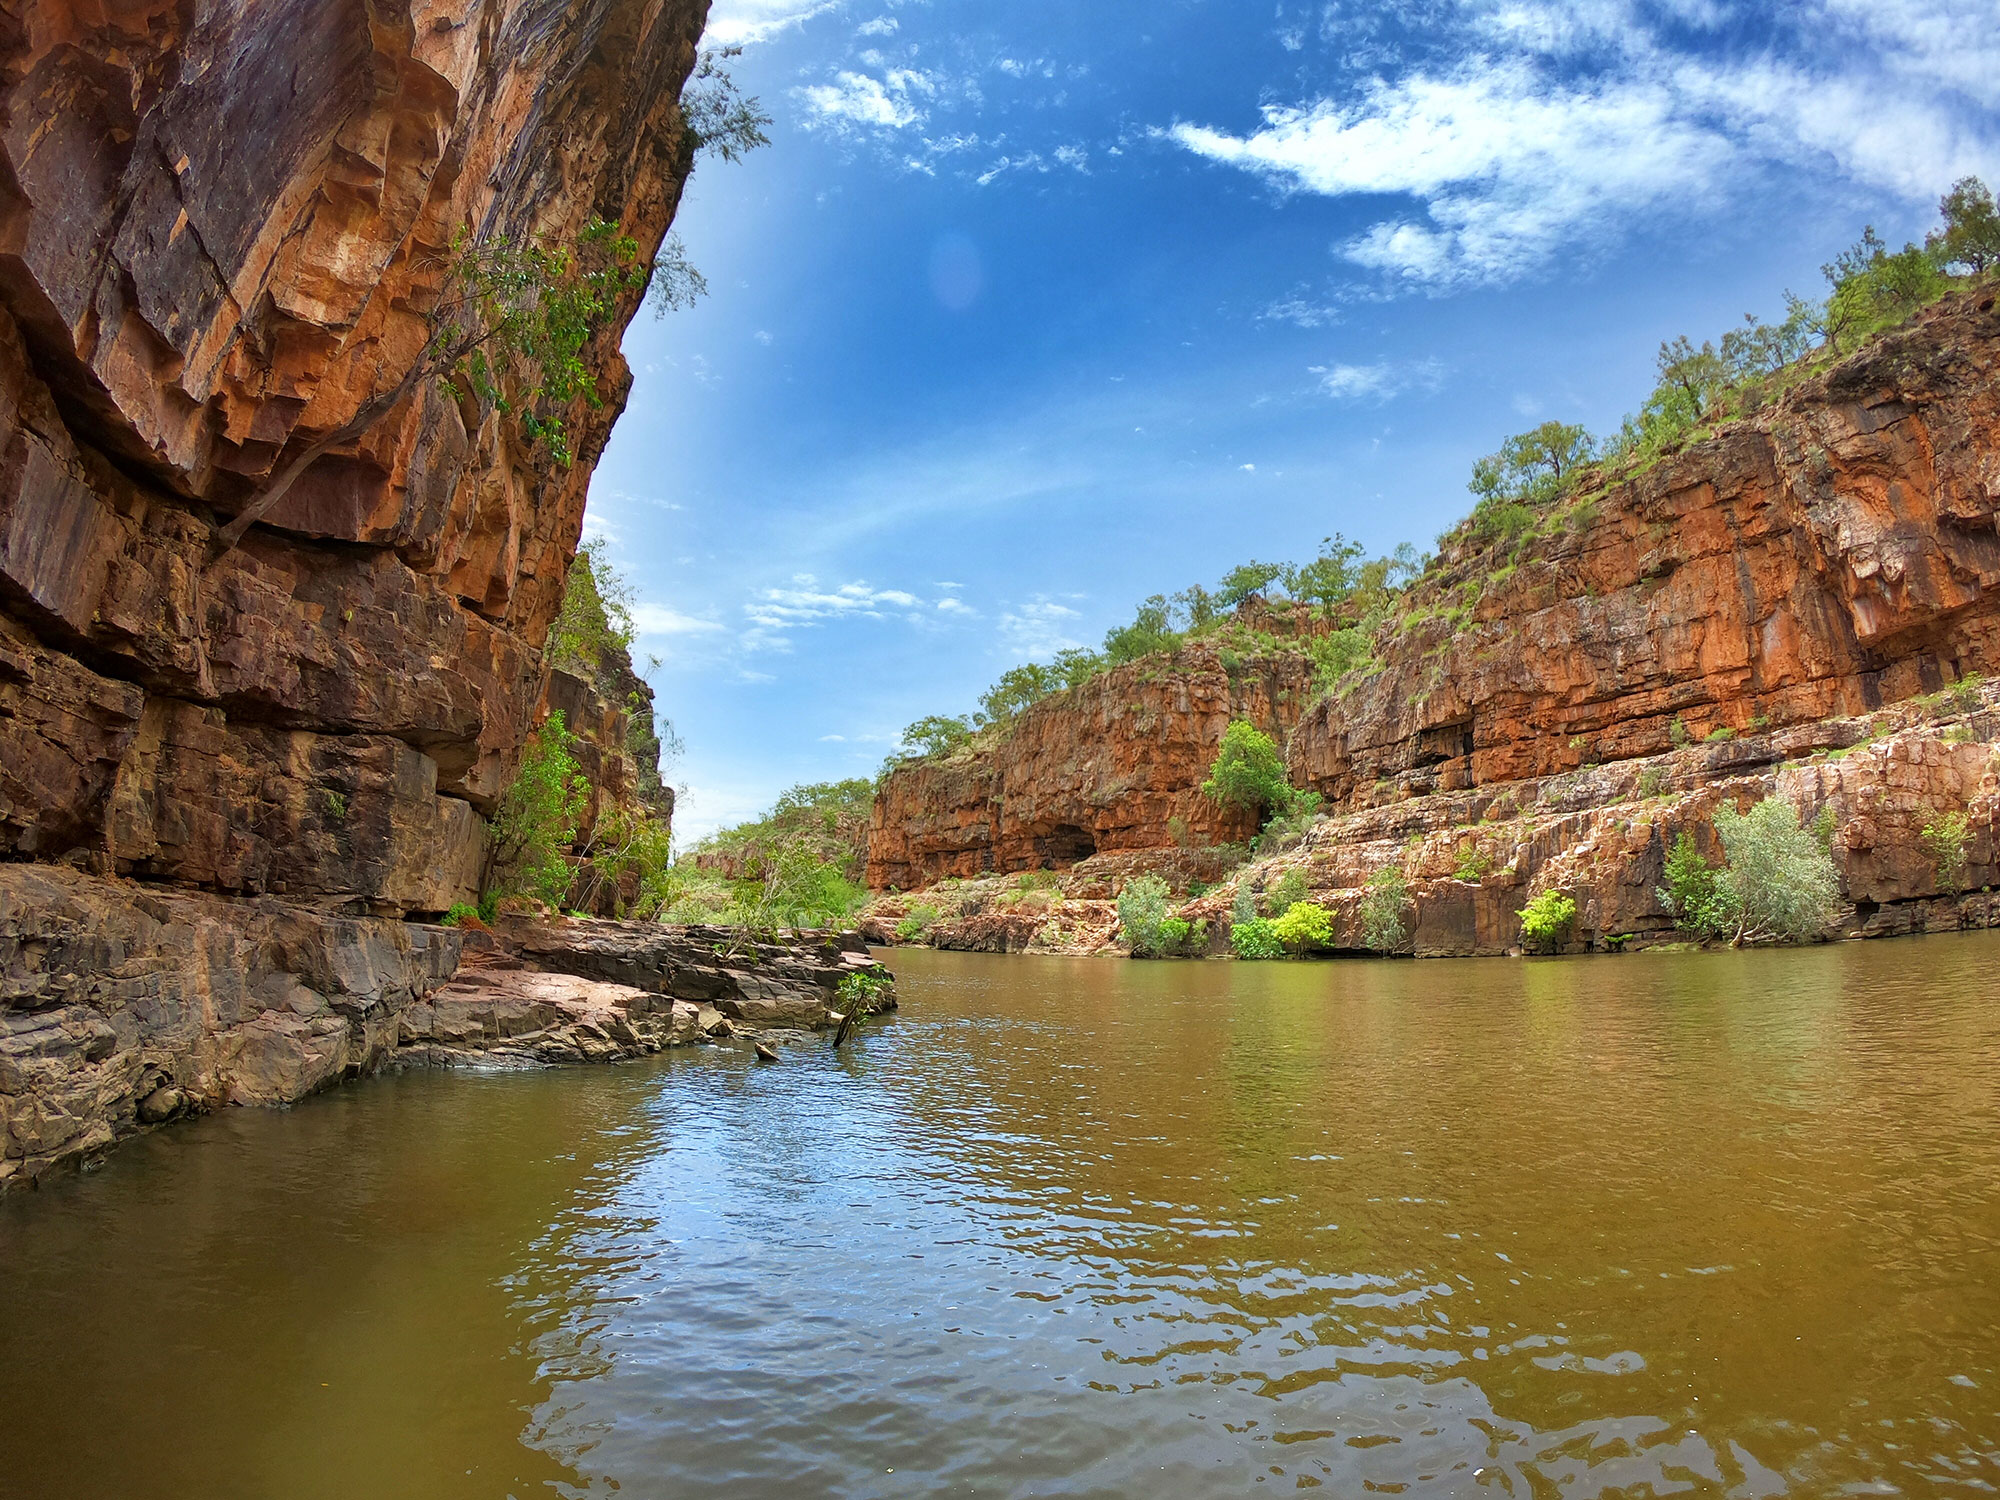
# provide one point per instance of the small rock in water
(765, 1051)
(163, 1103)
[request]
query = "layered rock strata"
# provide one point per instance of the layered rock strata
(1115, 764)
(1767, 594)
(1833, 553)
(221, 226)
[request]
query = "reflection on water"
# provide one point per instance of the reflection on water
(1714, 1224)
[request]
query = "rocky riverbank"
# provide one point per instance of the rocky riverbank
(125, 1005)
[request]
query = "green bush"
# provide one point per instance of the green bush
(1255, 938)
(1384, 909)
(1547, 921)
(862, 994)
(1690, 894)
(535, 825)
(1779, 880)
(1782, 881)
(1186, 939)
(1249, 773)
(1287, 889)
(1944, 838)
(1304, 926)
(1142, 911)
(918, 921)
(1473, 864)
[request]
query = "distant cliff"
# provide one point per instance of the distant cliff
(1736, 619)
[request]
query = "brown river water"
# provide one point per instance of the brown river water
(1660, 1224)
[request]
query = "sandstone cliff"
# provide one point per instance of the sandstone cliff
(1106, 766)
(1758, 614)
(219, 225)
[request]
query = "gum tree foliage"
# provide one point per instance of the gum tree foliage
(1969, 237)
(1384, 910)
(1304, 926)
(1778, 882)
(1249, 773)
(1142, 909)
(1547, 920)
(535, 825)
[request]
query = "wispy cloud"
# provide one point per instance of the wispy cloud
(739, 22)
(1038, 629)
(1376, 382)
(775, 612)
(891, 102)
(1564, 125)
(659, 619)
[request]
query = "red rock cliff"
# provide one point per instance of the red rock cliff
(1099, 768)
(219, 226)
(1834, 553)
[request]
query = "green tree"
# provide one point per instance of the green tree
(1547, 921)
(1254, 937)
(1243, 582)
(1970, 234)
(1781, 881)
(718, 117)
(1384, 910)
(1142, 910)
(1019, 688)
(595, 620)
(1535, 467)
(535, 826)
(1249, 773)
(1330, 579)
(1304, 926)
(1944, 839)
(1151, 631)
(936, 735)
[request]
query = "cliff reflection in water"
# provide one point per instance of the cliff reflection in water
(1722, 1224)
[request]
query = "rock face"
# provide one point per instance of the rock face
(1106, 766)
(124, 1004)
(220, 227)
(1832, 554)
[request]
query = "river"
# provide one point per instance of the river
(1705, 1224)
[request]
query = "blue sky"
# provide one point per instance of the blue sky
(1033, 309)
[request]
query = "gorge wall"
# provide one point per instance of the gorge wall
(221, 227)
(1114, 764)
(1741, 619)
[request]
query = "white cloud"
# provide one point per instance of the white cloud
(1037, 629)
(1564, 122)
(880, 26)
(777, 611)
(955, 607)
(739, 22)
(1247, 468)
(858, 99)
(1507, 166)
(1376, 382)
(658, 619)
